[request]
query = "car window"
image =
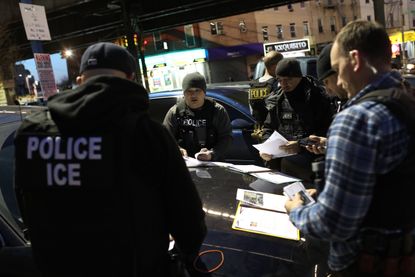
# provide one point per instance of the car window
(232, 112)
(159, 107)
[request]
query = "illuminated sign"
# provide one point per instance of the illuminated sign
(397, 37)
(302, 45)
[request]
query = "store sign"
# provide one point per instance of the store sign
(35, 23)
(159, 65)
(45, 72)
(301, 45)
(397, 37)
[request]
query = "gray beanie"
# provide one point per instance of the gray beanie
(288, 68)
(194, 80)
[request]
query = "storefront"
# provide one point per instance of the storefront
(166, 72)
(397, 47)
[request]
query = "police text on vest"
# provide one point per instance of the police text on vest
(73, 149)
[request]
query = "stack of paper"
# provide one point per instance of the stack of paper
(263, 213)
(272, 146)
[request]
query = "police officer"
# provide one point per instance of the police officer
(260, 89)
(298, 109)
(200, 125)
(94, 202)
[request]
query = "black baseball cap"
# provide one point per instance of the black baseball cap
(324, 69)
(107, 55)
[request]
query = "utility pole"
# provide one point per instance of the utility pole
(379, 9)
(404, 59)
(130, 38)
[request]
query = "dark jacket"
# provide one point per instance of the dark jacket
(218, 127)
(132, 191)
(309, 101)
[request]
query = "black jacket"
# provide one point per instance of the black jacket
(117, 220)
(309, 101)
(219, 127)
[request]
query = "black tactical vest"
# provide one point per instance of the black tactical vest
(290, 125)
(73, 192)
(195, 127)
(257, 94)
(393, 204)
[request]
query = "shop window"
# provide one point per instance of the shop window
(279, 31)
(292, 30)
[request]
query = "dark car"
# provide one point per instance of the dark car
(235, 101)
(246, 254)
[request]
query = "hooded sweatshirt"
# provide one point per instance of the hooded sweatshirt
(118, 222)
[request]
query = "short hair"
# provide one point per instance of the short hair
(368, 37)
(272, 58)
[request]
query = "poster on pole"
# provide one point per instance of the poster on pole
(3, 99)
(45, 72)
(35, 22)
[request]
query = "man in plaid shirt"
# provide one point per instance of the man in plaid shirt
(367, 144)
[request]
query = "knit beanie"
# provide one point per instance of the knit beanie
(324, 69)
(194, 80)
(288, 68)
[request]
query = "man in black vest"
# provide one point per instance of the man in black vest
(89, 182)
(200, 125)
(298, 109)
(365, 210)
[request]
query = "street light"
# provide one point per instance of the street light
(68, 53)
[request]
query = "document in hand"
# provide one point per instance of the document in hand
(263, 213)
(292, 189)
(272, 146)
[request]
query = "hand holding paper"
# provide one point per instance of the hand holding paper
(272, 146)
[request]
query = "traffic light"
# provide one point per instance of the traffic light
(124, 41)
(135, 39)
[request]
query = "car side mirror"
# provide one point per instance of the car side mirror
(240, 123)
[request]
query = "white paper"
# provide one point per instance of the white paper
(292, 189)
(275, 177)
(192, 162)
(263, 200)
(267, 222)
(249, 168)
(272, 146)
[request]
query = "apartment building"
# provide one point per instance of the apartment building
(318, 20)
